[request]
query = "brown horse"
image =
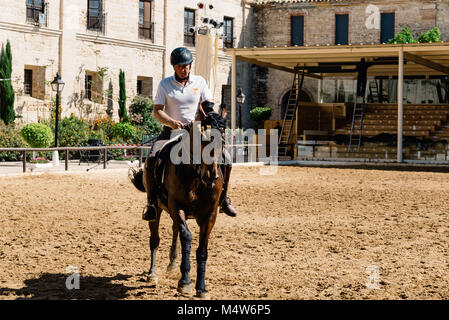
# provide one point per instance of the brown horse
(191, 191)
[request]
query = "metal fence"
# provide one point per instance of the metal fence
(67, 150)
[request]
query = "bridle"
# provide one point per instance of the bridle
(214, 125)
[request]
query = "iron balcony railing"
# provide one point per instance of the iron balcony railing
(146, 30)
(96, 22)
(228, 42)
(189, 35)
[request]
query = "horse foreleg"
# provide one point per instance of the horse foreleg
(154, 244)
(173, 248)
(185, 283)
(201, 258)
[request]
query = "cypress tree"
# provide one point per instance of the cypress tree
(123, 114)
(7, 113)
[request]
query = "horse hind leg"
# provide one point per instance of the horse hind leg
(154, 245)
(173, 249)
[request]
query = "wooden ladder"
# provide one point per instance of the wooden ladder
(290, 113)
(357, 115)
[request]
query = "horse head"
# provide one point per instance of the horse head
(212, 126)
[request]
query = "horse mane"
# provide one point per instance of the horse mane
(215, 121)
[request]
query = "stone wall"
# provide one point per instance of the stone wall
(73, 50)
(272, 24)
(442, 8)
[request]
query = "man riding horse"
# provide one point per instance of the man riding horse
(175, 106)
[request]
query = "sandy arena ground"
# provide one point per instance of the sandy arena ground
(304, 233)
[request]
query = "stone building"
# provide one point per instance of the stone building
(89, 41)
(332, 22)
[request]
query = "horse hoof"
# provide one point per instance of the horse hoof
(203, 295)
(171, 267)
(185, 288)
(152, 279)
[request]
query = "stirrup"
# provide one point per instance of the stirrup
(149, 213)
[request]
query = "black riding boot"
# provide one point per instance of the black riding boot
(150, 212)
(225, 202)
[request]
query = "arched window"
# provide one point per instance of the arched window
(303, 96)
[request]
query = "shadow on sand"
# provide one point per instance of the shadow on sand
(53, 286)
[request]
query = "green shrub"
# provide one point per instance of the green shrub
(141, 115)
(102, 127)
(260, 114)
(73, 132)
(124, 131)
(10, 137)
(433, 35)
(405, 36)
(37, 135)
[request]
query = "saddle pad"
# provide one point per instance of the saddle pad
(160, 144)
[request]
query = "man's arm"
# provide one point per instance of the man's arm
(165, 119)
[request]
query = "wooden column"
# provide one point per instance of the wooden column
(400, 104)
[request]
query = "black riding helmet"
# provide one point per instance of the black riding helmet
(181, 56)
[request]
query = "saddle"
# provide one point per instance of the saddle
(158, 160)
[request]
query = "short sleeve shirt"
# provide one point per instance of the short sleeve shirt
(181, 102)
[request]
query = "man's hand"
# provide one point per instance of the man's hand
(176, 125)
(160, 115)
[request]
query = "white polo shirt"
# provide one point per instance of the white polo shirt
(181, 102)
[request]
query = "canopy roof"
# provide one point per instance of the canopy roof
(422, 59)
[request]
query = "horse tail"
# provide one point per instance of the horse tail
(136, 177)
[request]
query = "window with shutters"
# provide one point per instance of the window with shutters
(297, 30)
(228, 32)
(88, 86)
(146, 26)
(95, 16)
(28, 82)
(36, 12)
(189, 27)
(145, 86)
(341, 29)
(387, 21)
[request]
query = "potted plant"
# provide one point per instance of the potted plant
(259, 115)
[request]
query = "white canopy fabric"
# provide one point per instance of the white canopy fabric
(206, 59)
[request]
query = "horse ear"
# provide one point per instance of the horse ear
(224, 112)
(201, 113)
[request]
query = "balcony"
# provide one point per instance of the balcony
(97, 22)
(146, 30)
(228, 42)
(189, 37)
